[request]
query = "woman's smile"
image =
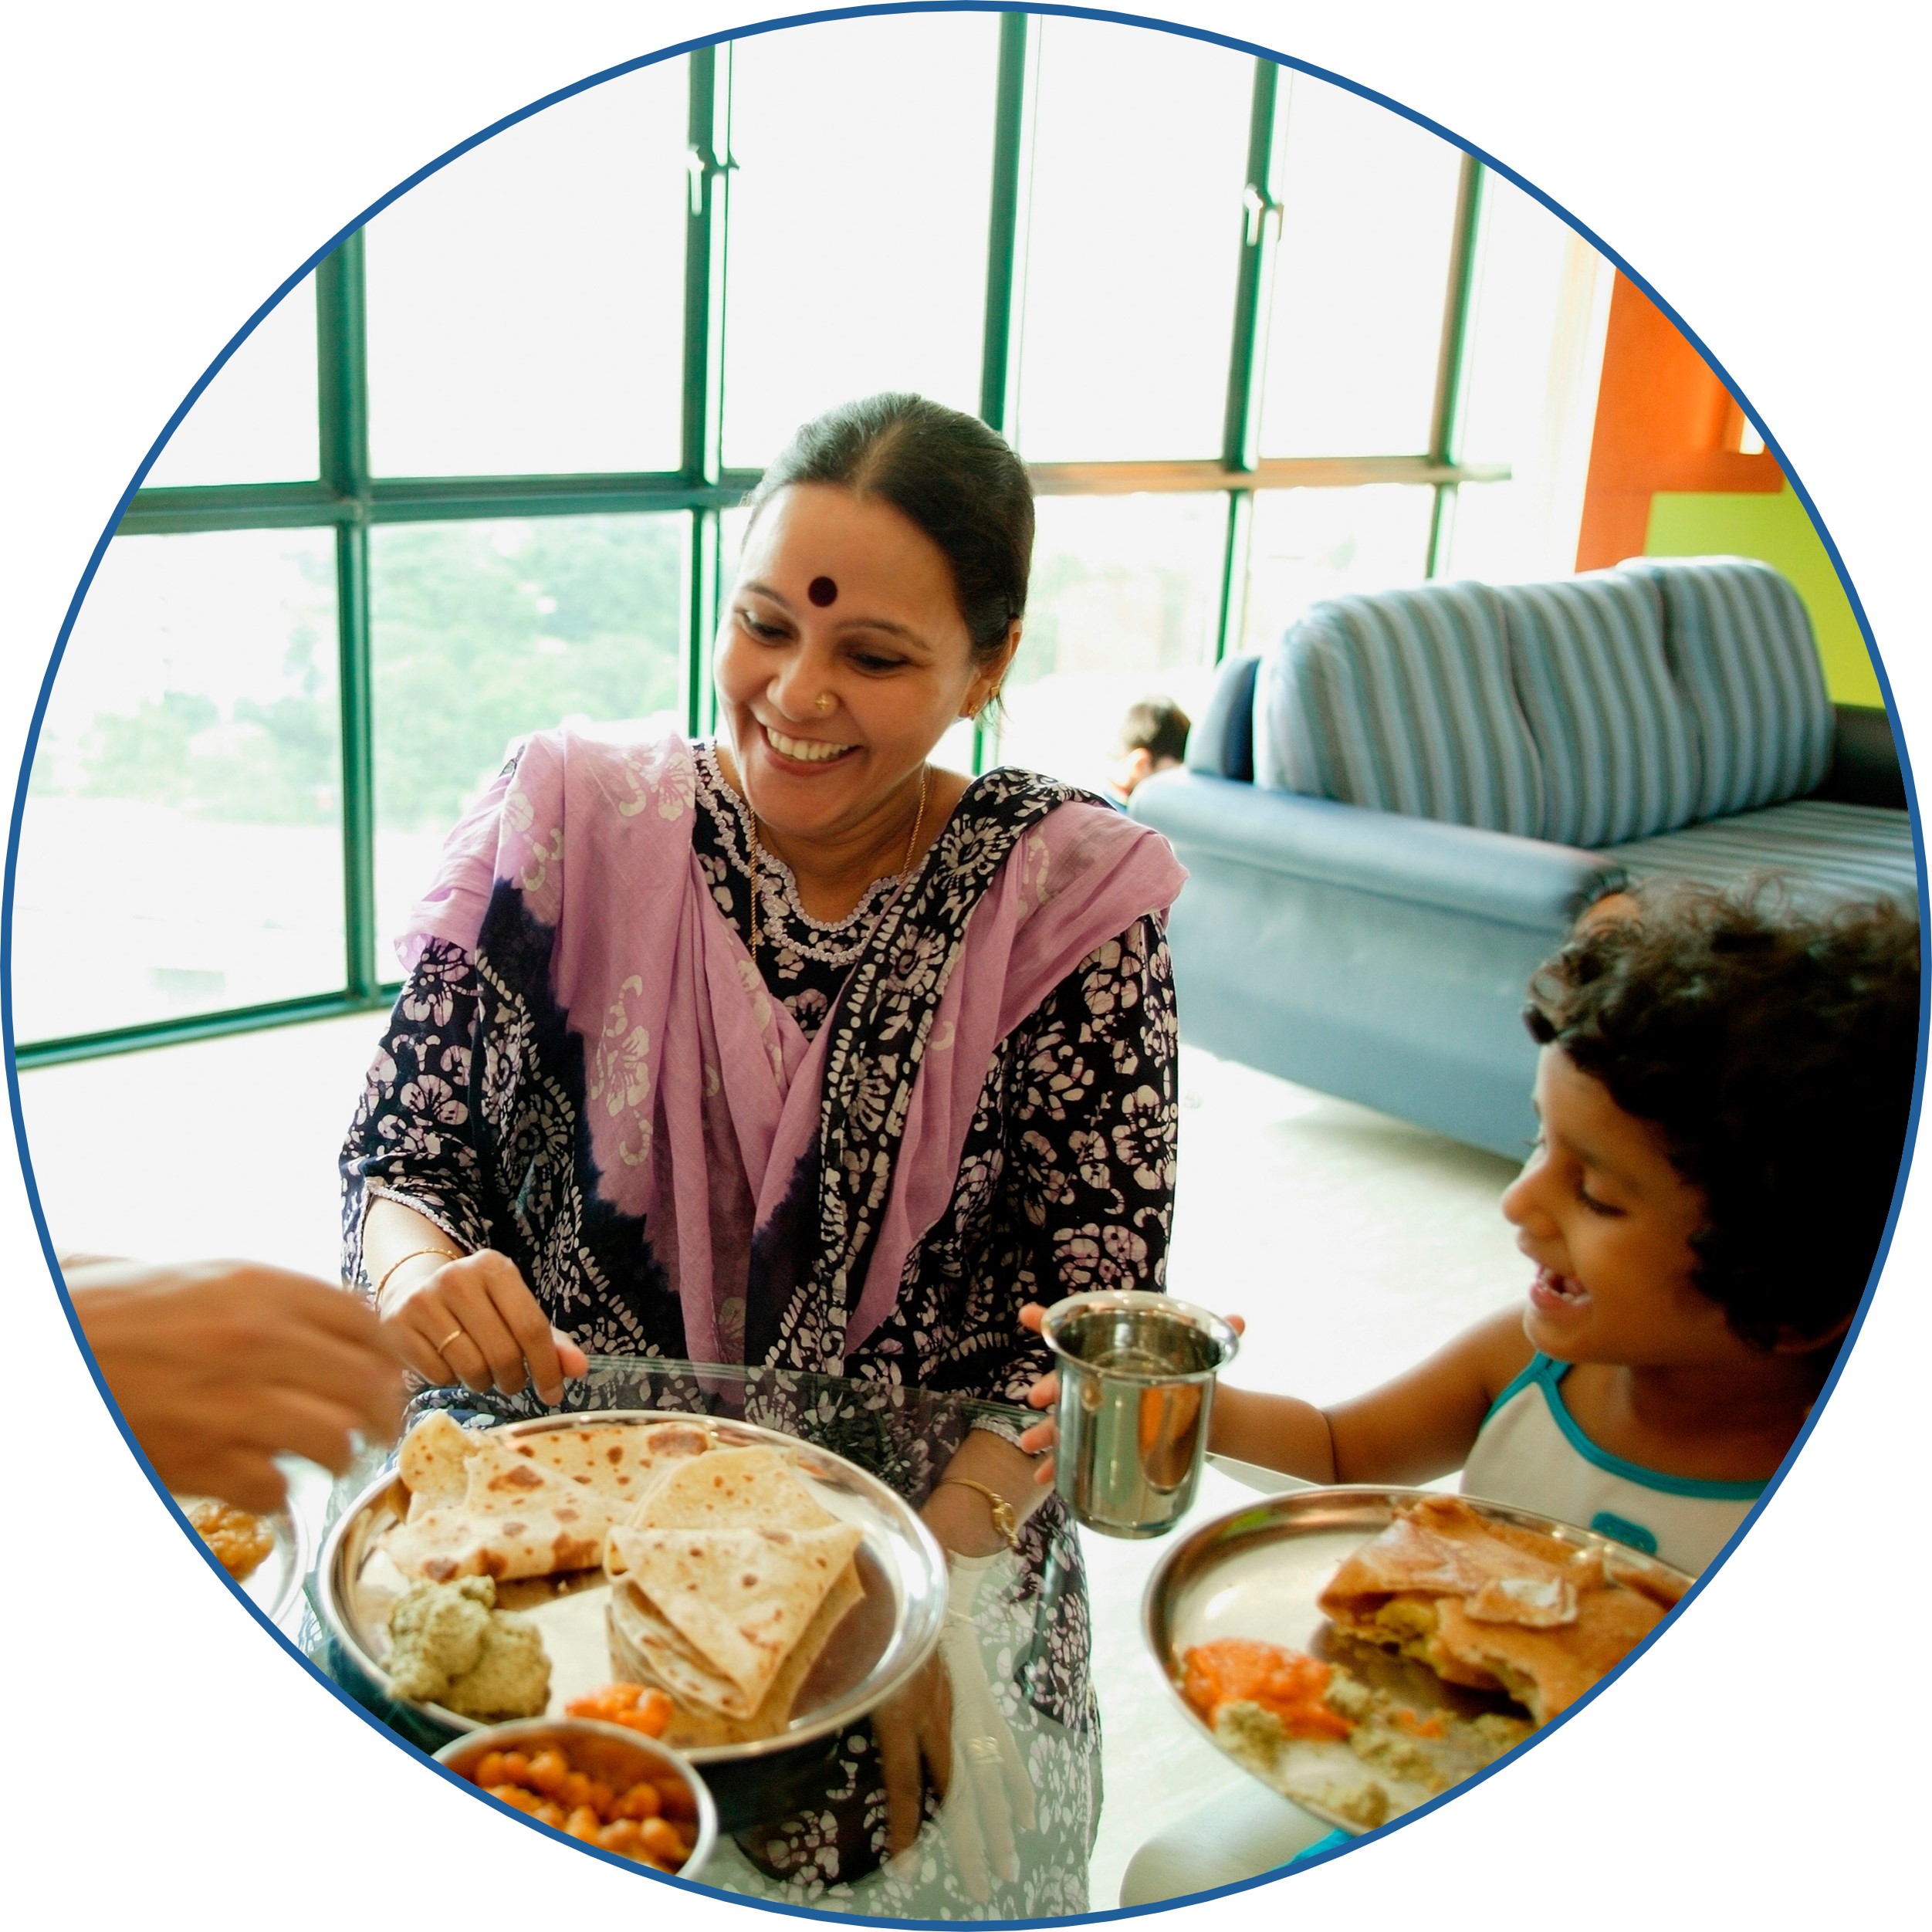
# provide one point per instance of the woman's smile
(814, 752)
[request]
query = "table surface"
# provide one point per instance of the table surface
(905, 1436)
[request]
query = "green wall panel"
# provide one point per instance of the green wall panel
(1776, 530)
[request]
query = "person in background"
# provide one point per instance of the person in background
(217, 1367)
(1153, 737)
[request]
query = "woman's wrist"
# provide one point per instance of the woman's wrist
(961, 1519)
(415, 1266)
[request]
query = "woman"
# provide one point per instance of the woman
(792, 1049)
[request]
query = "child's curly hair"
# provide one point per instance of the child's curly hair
(1775, 1049)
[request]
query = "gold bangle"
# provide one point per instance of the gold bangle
(1004, 1520)
(414, 1254)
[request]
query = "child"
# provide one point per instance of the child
(1724, 1089)
(1153, 737)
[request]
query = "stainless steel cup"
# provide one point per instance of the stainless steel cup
(1136, 1388)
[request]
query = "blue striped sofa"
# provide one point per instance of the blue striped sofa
(1392, 817)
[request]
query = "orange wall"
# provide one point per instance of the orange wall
(1663, 422)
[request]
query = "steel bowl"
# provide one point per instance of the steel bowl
(879, 1647)
(608, 1751)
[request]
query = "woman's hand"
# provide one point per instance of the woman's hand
(946, 1729)
(914, 1733)
(1046, 1392)
(473, 1320)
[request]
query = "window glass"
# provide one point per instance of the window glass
(1132, 244)
(526, 304)
(482, 632)
(1124, 603)
(1308, 544)
(255, 422)
(1360, 277)
(182, 846)
(1534, 361)
(858, 219)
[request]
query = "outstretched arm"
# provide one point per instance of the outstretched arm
(1421, 1425)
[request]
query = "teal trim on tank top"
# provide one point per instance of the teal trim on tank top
(1546, 1372)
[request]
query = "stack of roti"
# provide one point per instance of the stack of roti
(726, 1583)
(495, 1503)
(1496, 1607)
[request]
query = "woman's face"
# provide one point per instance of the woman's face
(842, 659)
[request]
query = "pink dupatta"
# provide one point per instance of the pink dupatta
(703, 1096)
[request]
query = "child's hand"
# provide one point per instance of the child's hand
(1045, 1393)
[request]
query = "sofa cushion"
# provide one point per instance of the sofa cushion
(1402, 702)
(1222, 743)
(1825, 850)
(1609, 726)
(1741, 647)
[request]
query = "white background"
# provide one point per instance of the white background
(166, 167)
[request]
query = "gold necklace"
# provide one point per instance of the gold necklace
(758, 852)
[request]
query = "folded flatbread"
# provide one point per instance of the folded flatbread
(1547, 1670)
(732, 1489)
(1491, 1606)
(716, 1612)
(630, 1622)
(507, 1504)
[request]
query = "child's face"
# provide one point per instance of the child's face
(1608, 1220)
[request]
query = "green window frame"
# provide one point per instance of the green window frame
(347, 497)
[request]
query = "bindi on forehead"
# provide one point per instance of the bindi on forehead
(822, 591)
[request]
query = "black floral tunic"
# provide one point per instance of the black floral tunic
(1065, 1183)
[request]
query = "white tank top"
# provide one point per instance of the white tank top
(1530, 1454)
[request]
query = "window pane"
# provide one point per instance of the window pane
(526, 303)
(1132, 244)
(1361, 278)
(1535, 357)
(1308, 544)
(1124, 603)
(858, 219)
(182, 848)
(483, 632)
(255, 422)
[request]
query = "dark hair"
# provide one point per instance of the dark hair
(1159, 727)
(1776, 1049)
(949, 474)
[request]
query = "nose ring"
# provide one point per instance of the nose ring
(822, 702)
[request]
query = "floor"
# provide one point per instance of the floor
(1353, 1244)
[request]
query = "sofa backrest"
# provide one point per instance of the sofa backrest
(1590, 711)
(1742, 654)
(1610, 729)
(1222, 742)
(1401, 701)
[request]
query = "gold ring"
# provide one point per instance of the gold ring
(822, 702)
(454, 1334)
(983, 1751)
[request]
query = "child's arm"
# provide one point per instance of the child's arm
(1420, 1425)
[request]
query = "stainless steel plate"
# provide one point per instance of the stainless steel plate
(1258, 1571)
(871, 1654)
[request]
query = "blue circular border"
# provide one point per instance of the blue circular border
(1255, 50)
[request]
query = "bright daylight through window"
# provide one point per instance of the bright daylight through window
(1261, 340)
